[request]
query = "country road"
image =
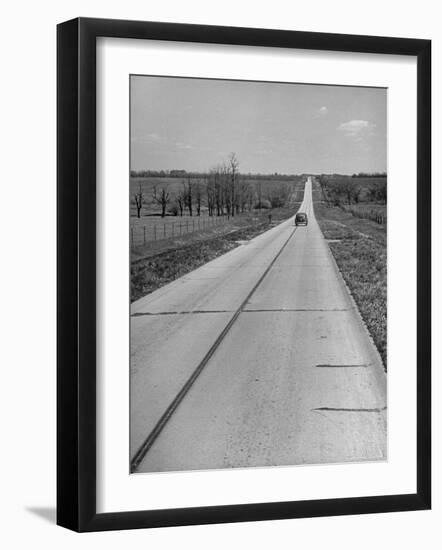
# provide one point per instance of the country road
(258, 358)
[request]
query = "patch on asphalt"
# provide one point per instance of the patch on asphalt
(334, 409)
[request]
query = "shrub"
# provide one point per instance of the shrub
(263, 203)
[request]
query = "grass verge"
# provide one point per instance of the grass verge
(361, 255)
(152, 248)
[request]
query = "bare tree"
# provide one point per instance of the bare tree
(357, 190)
(162, 199)
(323, 184)
(250, 198)
(139, 201)
(218, 191)
(226, 189)
(243, 191)
(211, 191)
(260, 195)
(198, 197)
(381, 194)
(233, 168)
(188, 195)
(347, 188)
(180, 200)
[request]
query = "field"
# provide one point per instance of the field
(359, 246)
(364, 197)
(155, 228)
(174, 186)
(152, 226)
(351, 189)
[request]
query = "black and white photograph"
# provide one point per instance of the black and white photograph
(220, 282)
(258, 274)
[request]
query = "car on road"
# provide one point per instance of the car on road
(301, 218)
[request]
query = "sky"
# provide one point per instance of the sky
(194, 124)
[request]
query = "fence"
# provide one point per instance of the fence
(368, 214)
(141, 233)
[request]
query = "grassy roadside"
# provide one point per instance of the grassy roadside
(153, 248)
(154, 271)
(360, 251)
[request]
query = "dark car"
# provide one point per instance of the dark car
(301, 218)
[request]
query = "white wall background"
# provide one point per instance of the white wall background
(27, 299)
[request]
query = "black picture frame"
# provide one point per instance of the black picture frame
(77, 287)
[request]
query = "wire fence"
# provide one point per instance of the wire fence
(368, 214)
(171, 227)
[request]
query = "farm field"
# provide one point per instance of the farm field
(155, 228)
(363, 197)
(350, 190)
(150, 226)
(365, 183)
(174, 185)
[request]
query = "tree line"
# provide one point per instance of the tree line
(345, 189)
(183, 173)
(223, 191)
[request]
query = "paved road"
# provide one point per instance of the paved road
(284, 371)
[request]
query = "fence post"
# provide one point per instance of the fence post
(187, 226)
(173, 229)
(164, 231)
(155, 232)
(132, 236)
(144, 234)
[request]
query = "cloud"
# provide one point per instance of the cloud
(356, 128)
(181, 145)
(149, 138)
(321, 112)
